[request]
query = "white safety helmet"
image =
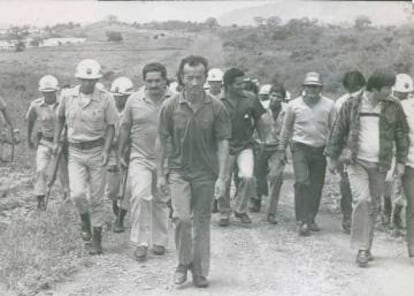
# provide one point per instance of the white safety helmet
(215, 74)
(48, 83)
(403, 83)
(122, 86)
(313, 78)
(265, 89)
(88, 69)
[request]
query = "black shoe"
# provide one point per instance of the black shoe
(215, 207)
(304, 229)
(314, 227)
(41, 206)
(119, 221)
(96, 243)
(86, 233)
(158, 250)
(180, 274)
(141, 253)
(362, 258)
(271, 218)
(256, 205)
(200, 281)
(224, 222)
(244, 218)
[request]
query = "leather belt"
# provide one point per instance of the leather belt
(88, 145)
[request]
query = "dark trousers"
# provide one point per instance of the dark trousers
(346, 193)
(408, 185)
(309, 166)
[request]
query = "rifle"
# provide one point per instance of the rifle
(124, 181)
(55, 166)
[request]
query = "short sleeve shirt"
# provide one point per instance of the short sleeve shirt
(46, 114)
(244, 115)
(142, 114)
(87, 116)
(194, 134)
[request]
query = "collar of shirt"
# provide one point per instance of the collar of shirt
(43, 103)
(181, 99)
(142, 95)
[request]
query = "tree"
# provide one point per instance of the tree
(111, 19)
(259, 20)
(16, 36)
(114, 36)
(211, 23)
(362, 22)
(273, 21)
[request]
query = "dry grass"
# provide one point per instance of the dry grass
(40, 249)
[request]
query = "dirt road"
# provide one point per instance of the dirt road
(259, 260)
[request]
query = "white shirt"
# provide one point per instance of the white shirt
(369, 135)
(408, 107)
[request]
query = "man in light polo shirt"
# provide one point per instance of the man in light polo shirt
(307, 123)
(369, 125)
(44, 109)
(196, 126)
(148, 205)
(90, 116)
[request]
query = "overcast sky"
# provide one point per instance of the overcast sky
(87, 11)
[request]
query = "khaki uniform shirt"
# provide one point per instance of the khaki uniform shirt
(87, 116)
(47, 115)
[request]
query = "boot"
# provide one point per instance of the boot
(96, 245)
(86, 227)
(115, 207)
(119, 221)
(256, 205)
(397, 217)
(41, 202)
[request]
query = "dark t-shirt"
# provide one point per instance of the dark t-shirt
(244, 115)
(194, 134)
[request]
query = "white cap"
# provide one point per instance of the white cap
(88, 69)
(122, 86)
(48, 83)
(215, 74)
(403, 83)
(265, 89)
(313, 78)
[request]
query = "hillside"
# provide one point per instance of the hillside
(291, 50)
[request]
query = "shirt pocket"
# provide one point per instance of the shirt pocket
(97, 119)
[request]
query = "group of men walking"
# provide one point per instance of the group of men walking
(141, 149)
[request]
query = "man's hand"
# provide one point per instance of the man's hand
(332, 165)
(219, 188)
(399, 169)
(55, 148)
(162, 184)
(105, 158)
